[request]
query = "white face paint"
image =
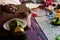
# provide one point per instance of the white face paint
(4, 2)
(51, 7)
(32, 5)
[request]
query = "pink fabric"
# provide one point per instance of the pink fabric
(48, 2)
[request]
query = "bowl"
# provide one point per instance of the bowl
(6, 25)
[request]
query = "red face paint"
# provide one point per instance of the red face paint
(41, 7)
(48, 2)
(34, 15)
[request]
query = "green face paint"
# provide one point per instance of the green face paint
(58, 37)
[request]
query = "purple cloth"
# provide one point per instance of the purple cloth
(35, 32)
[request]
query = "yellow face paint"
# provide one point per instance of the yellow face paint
(57, 15)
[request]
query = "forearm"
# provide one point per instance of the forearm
(29, 20)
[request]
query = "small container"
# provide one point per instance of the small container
(6, 25)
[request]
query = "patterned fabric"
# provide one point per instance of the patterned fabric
(35, 32)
